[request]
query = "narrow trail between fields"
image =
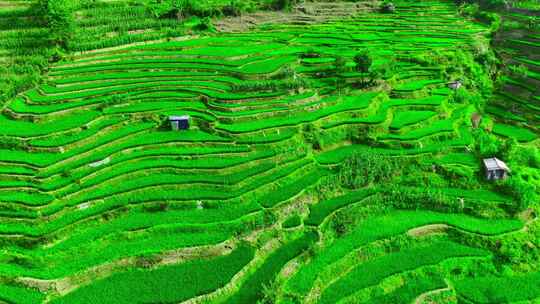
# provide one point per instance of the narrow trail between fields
(422, 298)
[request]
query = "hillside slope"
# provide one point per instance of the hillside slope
(325, 162)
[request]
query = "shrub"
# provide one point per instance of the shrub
(341, 223)
(12, 143)
(156, 207)
(366, 167)
(524, 193)
(234, 8)
(519, 71)
(312, 136)
(204, 24)
(180, 9)
(486, 145)
(281, 4)
(388, 7)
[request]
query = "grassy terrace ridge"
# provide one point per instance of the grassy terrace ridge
(483, 289)
(370, 272)
(197, 277)
(327, 158)
(385, 226)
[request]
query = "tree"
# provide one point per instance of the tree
(234, 8)
(364, 64)
(59, 19)
(281, 4)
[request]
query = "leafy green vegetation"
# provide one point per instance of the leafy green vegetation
(488, 289)
(251, 290)
(19, 294)
(196, 277)
(371, 272)
(333, 152)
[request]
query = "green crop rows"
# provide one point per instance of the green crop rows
(304, 177)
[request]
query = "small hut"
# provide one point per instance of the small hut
(495, 169)
(179, 122)
(455, 85)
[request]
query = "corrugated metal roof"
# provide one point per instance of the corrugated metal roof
(183, 117)
(495, 164)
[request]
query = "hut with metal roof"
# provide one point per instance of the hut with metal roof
(454, 85)
(495, 169)
(179, 122)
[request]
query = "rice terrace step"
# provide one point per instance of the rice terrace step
(269, 152)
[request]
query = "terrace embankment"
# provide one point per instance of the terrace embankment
(313, 151)
(303, 14)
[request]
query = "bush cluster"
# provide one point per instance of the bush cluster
(180, 9)
(368, 167)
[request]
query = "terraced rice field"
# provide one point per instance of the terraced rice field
(101, 202)
(21, 54)
(519, 95)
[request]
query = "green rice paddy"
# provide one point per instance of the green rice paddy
(301, 178)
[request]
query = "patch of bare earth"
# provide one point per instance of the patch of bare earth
(304, 13)
(427, 230)
(13, 4)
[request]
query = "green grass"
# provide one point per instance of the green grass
(294, 187)
(349, 104)
(373, 271)
(382, 113)
(251, 290)
(410, 291)
(321, 210)
(246, 158)
(417, 85)
(293, 221)
(384, 226)
(508, 289)
(439, 126)
(338, 155)
(27, 129)
(467, 159)
(520, 134)
(405, 118)
(166, 284)
(20, 295)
